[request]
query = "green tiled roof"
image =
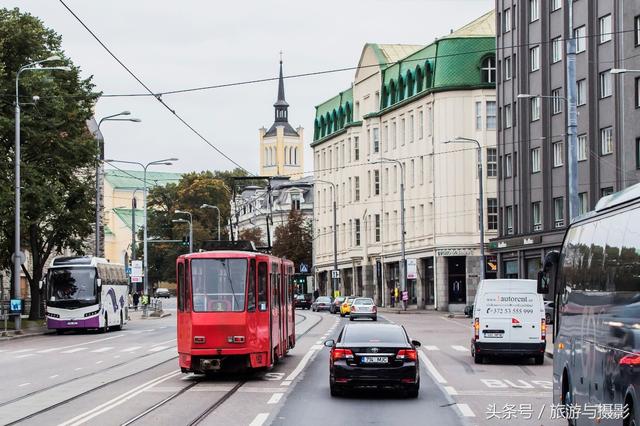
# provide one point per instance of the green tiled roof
(334, 114)
(130, 179)
(125, 217)
(340, 100)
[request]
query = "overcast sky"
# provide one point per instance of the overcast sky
(188, 43)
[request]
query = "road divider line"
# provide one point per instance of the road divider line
(71, 351)
(165, 342)
(21, 351)
(432, 369)
(459, 348)
(131, 349)
(104, 349)
(24, 384)
(450, 390)
(45, 351)
(465, 410)
(431, 348)
(275, 398)
(260, 419)
(158, 348)
(54, 376)
(25, 356)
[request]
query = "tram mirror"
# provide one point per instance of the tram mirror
(543, 282)
(262, 306)
(330, 343)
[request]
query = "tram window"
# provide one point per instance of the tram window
(251, 291)
(262, 286)
(181, 289)
(219, 284)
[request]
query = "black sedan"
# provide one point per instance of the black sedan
(322, 303)
(368, 355)
(302, 301)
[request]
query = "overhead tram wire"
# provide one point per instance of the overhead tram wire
(151, 92)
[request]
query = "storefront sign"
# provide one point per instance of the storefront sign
(516, 242)
(412, 269)
(455, 252)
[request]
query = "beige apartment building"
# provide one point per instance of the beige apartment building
(405, 102)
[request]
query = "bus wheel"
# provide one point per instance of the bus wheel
(60, 331)
(567, 396)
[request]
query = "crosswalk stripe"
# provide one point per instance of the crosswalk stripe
(459, 348)
(158, 348)
(105, 349)
(431, 348)
(74, 350)
(131, 349)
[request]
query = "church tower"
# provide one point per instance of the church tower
(282, 146)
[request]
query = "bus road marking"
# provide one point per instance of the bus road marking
(260, 419)
(24, 384)
(432, 369)
(70, 351)
(104, 349)
(285, 383)
(275, 398)
(431, 348)
(465, 410)
(459, 348)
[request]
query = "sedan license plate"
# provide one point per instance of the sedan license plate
(375, 359)
(499, 335)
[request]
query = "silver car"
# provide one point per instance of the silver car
(363, 307)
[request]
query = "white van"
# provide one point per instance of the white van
(508, 319)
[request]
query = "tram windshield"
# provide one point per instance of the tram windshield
(71, 286)
(218, 284)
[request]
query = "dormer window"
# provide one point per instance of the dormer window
(488, 69)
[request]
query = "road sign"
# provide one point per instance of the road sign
(136, 271)
(21, 256)
(304, 268)
(136, 279)
(128, 270)
(335, 274)
(412, 269)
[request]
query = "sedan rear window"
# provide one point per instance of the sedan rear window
(372, 334)
(364, 302)
(323, 299)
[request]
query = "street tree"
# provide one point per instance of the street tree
(293, 239)
(57, 149)
(254, 234)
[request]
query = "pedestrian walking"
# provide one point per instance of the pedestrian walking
(316, 294)
(136, 300)
(393, 298)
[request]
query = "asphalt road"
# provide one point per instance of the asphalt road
(132, 377)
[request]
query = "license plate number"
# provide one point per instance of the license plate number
(499, 335)
(375, 359)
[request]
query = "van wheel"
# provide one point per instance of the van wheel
(539, 359)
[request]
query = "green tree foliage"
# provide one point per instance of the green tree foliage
(254, 234)
(294, 239)
(57, 149)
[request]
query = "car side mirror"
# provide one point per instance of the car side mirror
(99, 283)
(330, 343)
(416, 343)
(543, 283)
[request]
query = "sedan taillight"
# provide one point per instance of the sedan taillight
(630, 360)
(339, 353)
(374, 309)
(407, 354)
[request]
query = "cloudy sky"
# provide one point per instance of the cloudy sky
(189, 43)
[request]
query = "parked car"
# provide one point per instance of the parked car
(302, 301)
(380, 355)
(345, 308)
(549, 306)
(363, 307)
(335, 306)
(163, 292)
(322, 303)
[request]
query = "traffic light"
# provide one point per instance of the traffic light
(185, 241)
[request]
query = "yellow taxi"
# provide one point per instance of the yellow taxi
(345, 308)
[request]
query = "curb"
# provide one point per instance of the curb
(22, 336)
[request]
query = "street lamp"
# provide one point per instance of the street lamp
(481, 189)
(190, 221)
(99, 156)
(572, 148)
(403, 263)
(165, 162)
(334, 274)
(209, 206)
(18, 256)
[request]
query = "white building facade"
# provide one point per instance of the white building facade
(405, 102)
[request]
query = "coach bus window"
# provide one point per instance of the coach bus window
(181, 286)
(262, 286)
(629, 256)
(219, 284)
(251, 291)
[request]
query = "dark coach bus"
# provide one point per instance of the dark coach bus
(595, 280)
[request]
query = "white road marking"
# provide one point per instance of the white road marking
(120, 399)
(459, 348)
(319, 342)
(465, 410)
(275, 398)
(165, 342)
(158, 348)
(432, 369)
(70, 351)
(131, 349)
(24, 384)
(54, 376)
(78, 369)
(431, 348)
(25, 356)
(303, 362)
(508, 394)
(450, 390)
(99, 362)
(44, 351)
(285, 383)
(21, 351)
(260, 419)
(105, 349)
(116, 356)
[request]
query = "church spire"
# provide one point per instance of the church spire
(281, 104)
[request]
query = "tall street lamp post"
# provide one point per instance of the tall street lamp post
(481, 195)
(18, 256)
(209, 206)
(334, 273)
(165, 162)
(99, 157)
(190, 221)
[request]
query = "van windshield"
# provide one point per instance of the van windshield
(506, 305)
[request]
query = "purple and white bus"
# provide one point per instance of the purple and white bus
(86, 292)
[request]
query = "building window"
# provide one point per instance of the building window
(636, 29)
(509, 214)
(506, 20)
(535, 108)
(377, 220)
(402, 132)
(582, 147)
(605, 84)
(507, 116)
(582, 92)
(376, 182)
(507, 68)
(558, 212)
(492, 214)
(536, 216)
(393, 135)
(535, 160)
(489, 70)
(584, 202)
(534, 10)
(580, 34)
(492, 162)
(376, 140)
(556, 4)
(411, 128)
(357, 226)
(606, 140)
(295, 204)
(508, 165)
(606, 191)
(534, 58)
(356, 148)
(605, 28)
(558, 158)
(479, 115)
(637, 153)
(491, 115)
(556, 51)
(556, 101)
(412, 173)
(420, 124)
(637, 92)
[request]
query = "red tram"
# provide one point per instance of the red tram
(235, 310)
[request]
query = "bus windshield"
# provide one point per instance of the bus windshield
(71, 286)
(218, 284)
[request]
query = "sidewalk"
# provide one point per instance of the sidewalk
(29, 329)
